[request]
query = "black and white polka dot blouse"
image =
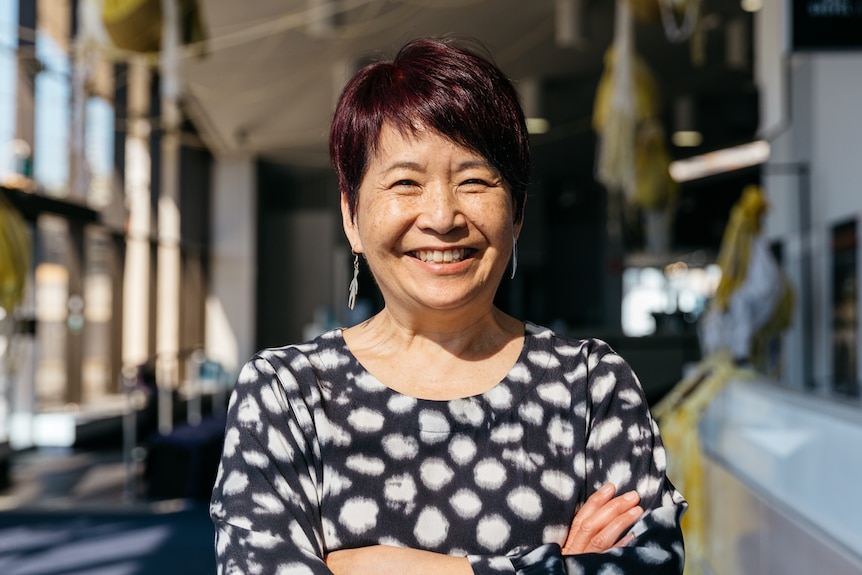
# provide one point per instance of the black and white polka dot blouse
(319, 456)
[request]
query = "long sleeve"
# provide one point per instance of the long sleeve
(623, 447)
(320, 456)
(265, 502)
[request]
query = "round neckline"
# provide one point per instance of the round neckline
(510, 383)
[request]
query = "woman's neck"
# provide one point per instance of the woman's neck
(473, 336)
(438, 362)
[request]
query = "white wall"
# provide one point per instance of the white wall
(230, 321)
(836, 138)
(770, 449)
(818, 127)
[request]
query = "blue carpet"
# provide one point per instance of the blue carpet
(106, 543)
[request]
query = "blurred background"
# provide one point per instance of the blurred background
(167, 208)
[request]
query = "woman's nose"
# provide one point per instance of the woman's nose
(441, 211)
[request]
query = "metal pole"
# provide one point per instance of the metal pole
(806, 310)
(168, 263)
(805, 270)
(130, 434)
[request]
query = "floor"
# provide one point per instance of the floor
(83, 512)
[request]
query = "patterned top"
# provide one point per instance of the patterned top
(319, 455)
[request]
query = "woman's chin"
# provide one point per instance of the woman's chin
(454, 300)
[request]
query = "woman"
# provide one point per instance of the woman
(441, 435)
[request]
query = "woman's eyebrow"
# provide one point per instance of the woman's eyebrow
(460, 167)
(403, 164)
(469, 164)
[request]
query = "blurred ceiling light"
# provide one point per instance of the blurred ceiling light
(687, 138)
(685, 133)
(720, 161)
(538, 125)
(751, 5)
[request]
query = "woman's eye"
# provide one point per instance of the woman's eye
(474, 183)
(405, 183)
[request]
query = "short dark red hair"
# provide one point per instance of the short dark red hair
(436, 84)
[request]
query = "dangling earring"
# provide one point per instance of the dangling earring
(514, 256)
(354, 283)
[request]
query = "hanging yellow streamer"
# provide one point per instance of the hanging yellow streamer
(633, 156)
(735, 252)
(678, 416)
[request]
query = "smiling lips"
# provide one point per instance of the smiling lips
(441, 256)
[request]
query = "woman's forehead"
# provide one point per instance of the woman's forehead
(393, 141)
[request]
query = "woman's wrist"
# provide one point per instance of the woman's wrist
(388, 560)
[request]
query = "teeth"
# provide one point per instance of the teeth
(440, 256)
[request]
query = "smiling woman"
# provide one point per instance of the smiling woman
(441, 435)
(435, 223)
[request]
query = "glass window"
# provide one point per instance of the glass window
(52, 98)
(100, 151)
(8, 81)
(676, 295)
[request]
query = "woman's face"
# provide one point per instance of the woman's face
(434, 221)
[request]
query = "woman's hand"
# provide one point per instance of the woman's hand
(386, 560)
(597, 526)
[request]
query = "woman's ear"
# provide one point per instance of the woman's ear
(348, 221)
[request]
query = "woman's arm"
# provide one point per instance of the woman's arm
(596, 527)
(387, 560)
(265, 501)
(625, 448)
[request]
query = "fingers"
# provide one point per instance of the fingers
(598, 525)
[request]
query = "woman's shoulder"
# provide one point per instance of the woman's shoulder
(327, 342)
(323, 353)
(564, 344)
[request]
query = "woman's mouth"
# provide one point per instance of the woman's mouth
(441, 256)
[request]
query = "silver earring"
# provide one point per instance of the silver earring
(514, 256)
(354, 283)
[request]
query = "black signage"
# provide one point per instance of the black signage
(827, 24)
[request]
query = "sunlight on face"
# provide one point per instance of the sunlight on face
(434, 221)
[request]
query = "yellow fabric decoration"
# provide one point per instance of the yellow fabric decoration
(742, 227)
(646, 100)
(654, 189)
(780, 320)
(678, 416)
(633, 156)
(644, 10)
(15, 251)
(136, 25)
(616, 115)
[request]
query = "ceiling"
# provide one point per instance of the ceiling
(269, 81)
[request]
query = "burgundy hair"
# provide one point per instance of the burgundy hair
(439, 85)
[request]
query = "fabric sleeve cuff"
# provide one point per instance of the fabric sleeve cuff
(543, 560)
